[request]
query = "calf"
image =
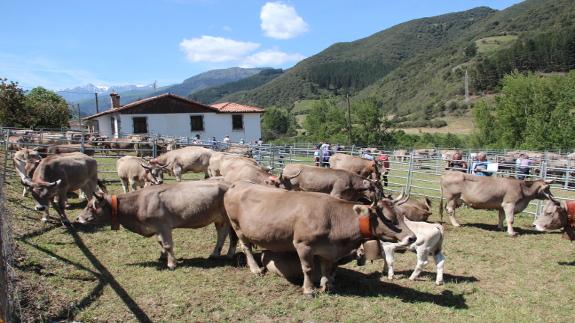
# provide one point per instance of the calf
(311, 224)
(507, 195)
(157, 210)
(134, 172)
(336, 182)
(429, 243)
(57, 175)
(70, 148)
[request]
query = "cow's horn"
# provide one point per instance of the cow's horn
(55, 183)
(165, 166)
(145, 166)
(400, 196)
(26, 181)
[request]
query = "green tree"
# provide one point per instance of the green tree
(12, 105)
(371, 127)
(278, 122)
(326, 121)
(49, 110)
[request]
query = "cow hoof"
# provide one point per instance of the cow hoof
(309, 295)
(171, 266)
(44, 220)
(513, 234)
(257, 271)
(439, 283)
(214, 256)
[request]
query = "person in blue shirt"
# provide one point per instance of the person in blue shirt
(479, 167)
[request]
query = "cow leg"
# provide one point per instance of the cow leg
(133, 184)
(233, 243)
(389, 256)
(168, 245)
(163, 254)
(24, 192)
(439, 262)
(62, 208)
(451, 206)
(177, 170)
(422, 256)
(125, 185)
(247, 248)
(327, 275)
(501, 218)
(510, 217)
(306, 259)
(206, 175)
(223, 230)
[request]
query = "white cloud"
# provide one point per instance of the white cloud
(271, 57)
(216, 49)
(281, 21)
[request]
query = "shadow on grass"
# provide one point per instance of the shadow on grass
(205, 263)
(448, 278)
(565, 263)
(350, 282)
(494, 228)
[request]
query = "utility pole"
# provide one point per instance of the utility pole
(348, 119)
(466, 88)
(97, 107)
(155, 85)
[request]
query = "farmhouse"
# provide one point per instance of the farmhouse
(172, 115)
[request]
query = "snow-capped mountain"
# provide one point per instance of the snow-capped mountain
(80, 93)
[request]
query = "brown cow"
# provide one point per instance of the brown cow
(362, 167)
(311, 224)
(336, 182)
(157, 210)
(57, 175)
(186, 159)
(70, 148)
(507, 195)
(240, 170)
(557, 215)
(134, 172)
(25, 162)
(415, 210)
(219, 161)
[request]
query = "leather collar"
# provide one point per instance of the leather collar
(115, 220)
(571, 213)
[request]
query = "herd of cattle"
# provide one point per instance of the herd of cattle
(307, 218)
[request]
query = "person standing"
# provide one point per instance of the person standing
(384, 164)
(523, 164)
(479, 167)
(456, 163)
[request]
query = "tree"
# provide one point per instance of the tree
(277, 122)
(326, 121)
(12, 108)
(371, 126)
(49, 110)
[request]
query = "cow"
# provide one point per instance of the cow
(240, 170)
(507, 195)
(311, 224)
(362, 167)
(57, 175)
(219, 161)
(557, 215)
(134, 172)
(17, 142)
(400, 155)
(157, 210)
(429, 243)
(70, 148)
(416, 210)
(186, 159)
(242, 150)
(25, 162)
(336, 182)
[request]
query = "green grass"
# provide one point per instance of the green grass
(491, 44)
(115, 276)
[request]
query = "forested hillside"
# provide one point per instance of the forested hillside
(416, 69)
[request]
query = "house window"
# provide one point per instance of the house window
(197, 123)
(237, 122)
(140, 124)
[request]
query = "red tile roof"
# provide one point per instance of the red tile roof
(231, 107)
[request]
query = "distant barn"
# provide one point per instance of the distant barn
(172, 115)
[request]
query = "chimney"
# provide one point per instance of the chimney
(115, 100)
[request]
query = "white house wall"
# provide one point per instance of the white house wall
(178, 125)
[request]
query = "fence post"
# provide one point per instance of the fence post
(568, 173)
(155, 147)
(409, 174)
(543, 175)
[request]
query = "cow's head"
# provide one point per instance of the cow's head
(416, 210)
(389, 223)
(273, 180)
(154, 172)
(550, 218)
(97, 212)
(539, 189)
(42, 192)
(372, 189)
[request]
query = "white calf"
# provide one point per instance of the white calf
(429, 241)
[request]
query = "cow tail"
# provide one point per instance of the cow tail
(441, 206)
(102, 186)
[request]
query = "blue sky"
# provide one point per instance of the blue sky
(64, 43)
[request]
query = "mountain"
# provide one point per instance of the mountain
(80, 93)
(131, 93)
(416, 67)
(214, 93)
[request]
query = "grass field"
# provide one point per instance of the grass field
(103, 275)
(491, 44)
